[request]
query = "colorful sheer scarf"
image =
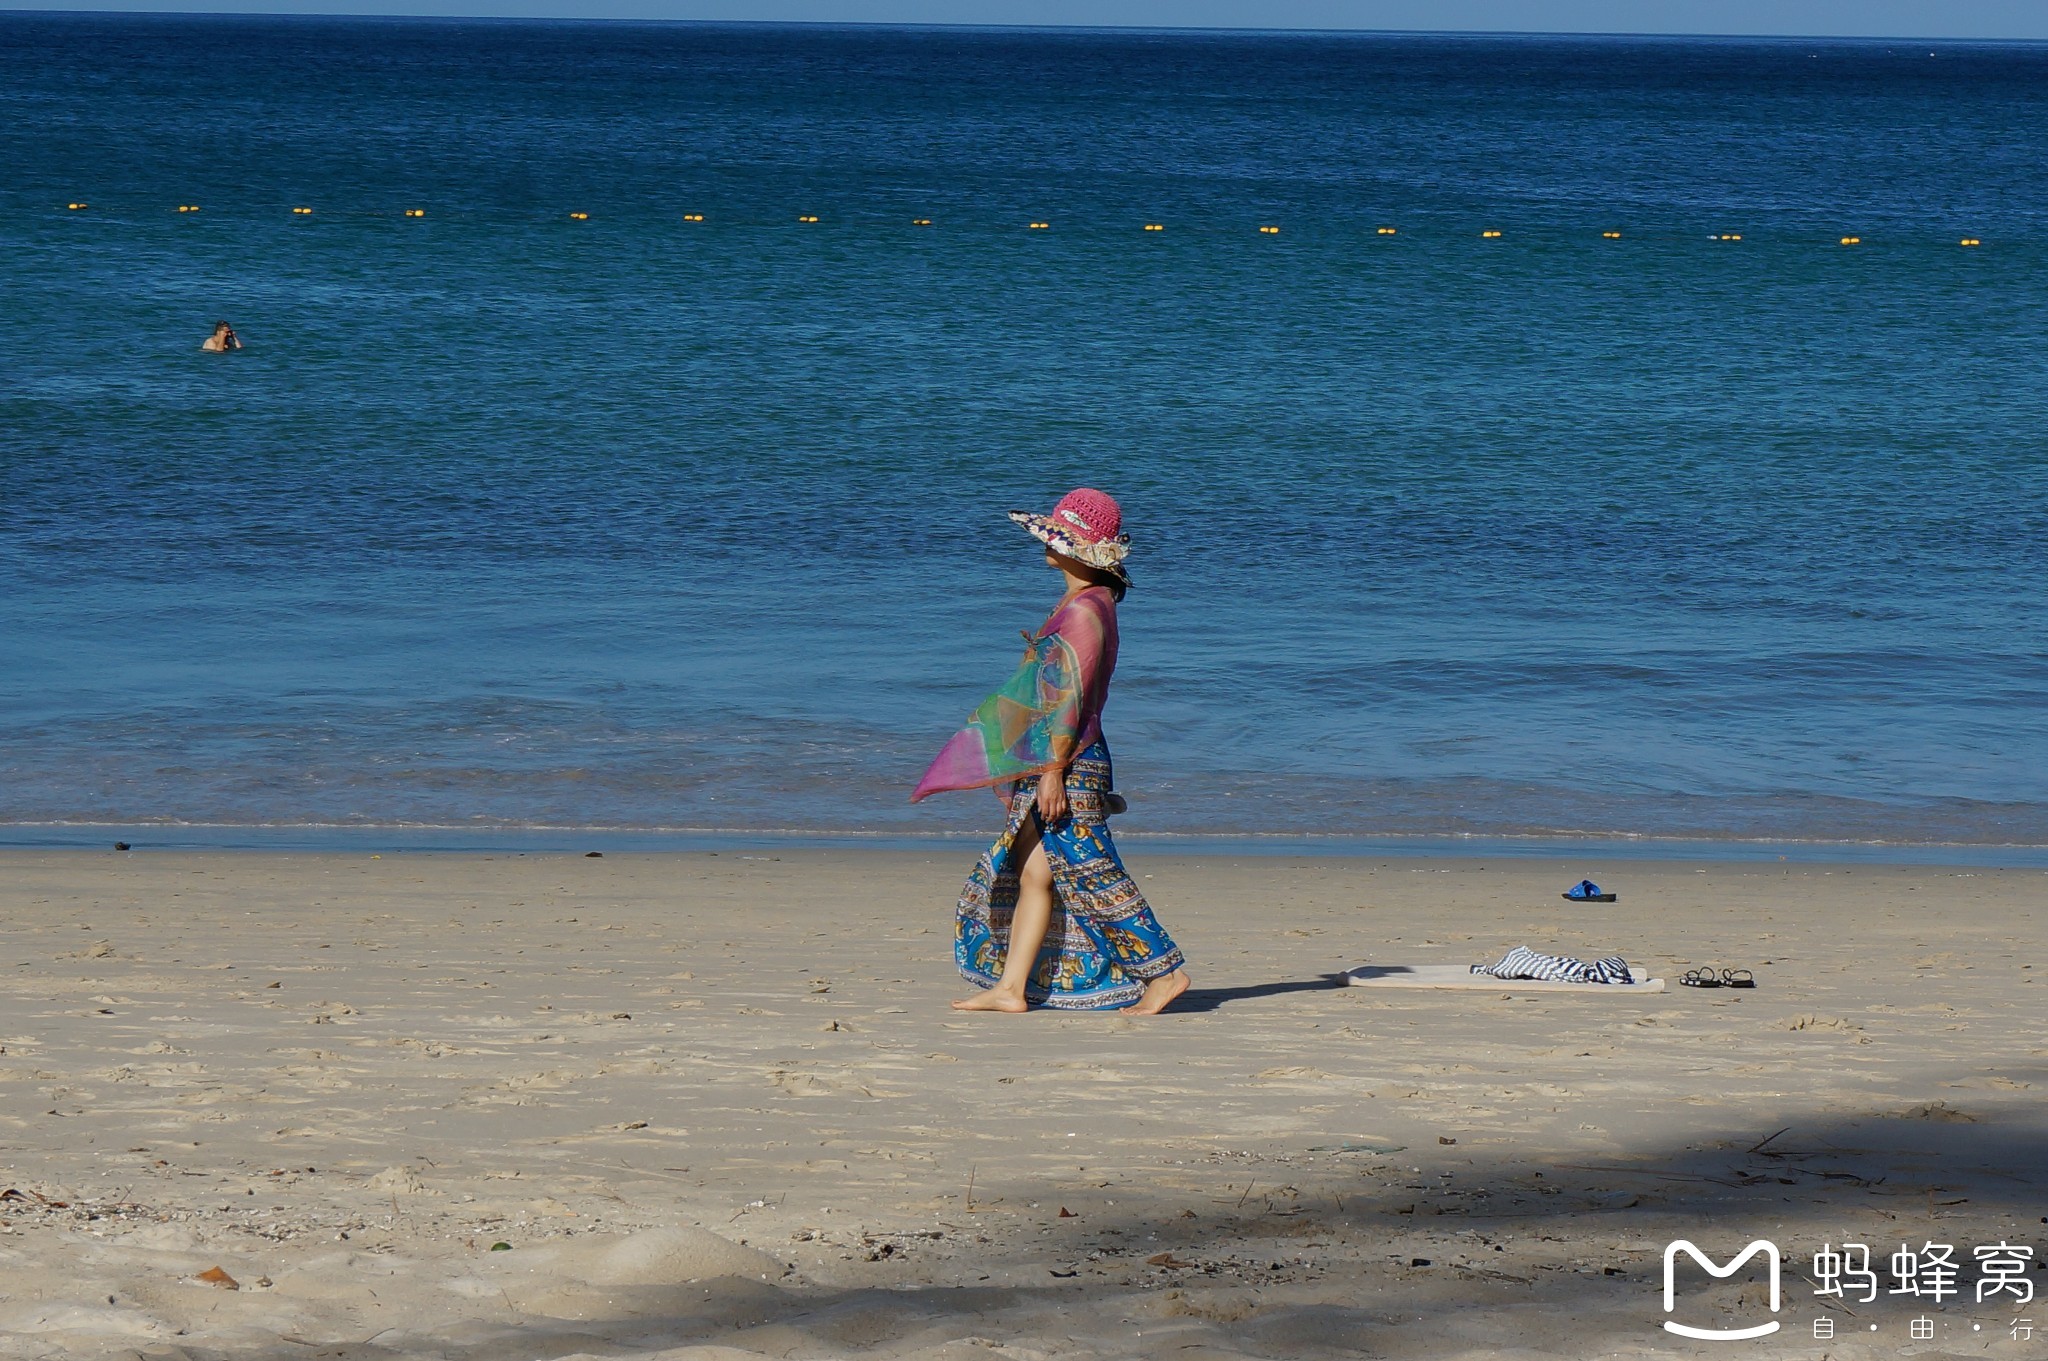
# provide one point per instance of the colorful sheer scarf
(1045, 713)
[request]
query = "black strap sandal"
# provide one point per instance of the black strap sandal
(1737, 978)
(1700, 978)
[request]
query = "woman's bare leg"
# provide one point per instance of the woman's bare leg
(1029, 922)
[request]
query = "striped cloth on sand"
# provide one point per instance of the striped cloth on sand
(1522, 962)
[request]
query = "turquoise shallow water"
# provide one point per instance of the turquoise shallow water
(506, 519)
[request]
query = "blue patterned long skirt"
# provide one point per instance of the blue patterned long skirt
(1104, 944)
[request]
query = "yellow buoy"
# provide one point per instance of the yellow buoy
(74, 207)
(1971, 241)
(579, 217)
(807, 218)
(1040, 226)
(1489, 233)
(302, 211)
(1852, 240)
(1387, 231)
(415, 212)
(1270, 231)
(1155, 226)
(693, 217)
(920, 222)
(188, 207)
(1611, 236)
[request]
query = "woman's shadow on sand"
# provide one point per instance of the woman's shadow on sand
(1211, 999)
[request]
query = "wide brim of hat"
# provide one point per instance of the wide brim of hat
(1103, 557)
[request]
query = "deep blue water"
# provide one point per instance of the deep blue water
(504, 518)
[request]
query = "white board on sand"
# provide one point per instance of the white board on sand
(1461, 976)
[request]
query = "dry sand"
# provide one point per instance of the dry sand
(718, 1107)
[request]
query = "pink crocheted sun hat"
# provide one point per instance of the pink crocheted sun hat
(1086, 526)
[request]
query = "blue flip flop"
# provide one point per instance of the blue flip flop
(1586, 891)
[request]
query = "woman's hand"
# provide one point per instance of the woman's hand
(1052, 797)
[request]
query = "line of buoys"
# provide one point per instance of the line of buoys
(1265, 229)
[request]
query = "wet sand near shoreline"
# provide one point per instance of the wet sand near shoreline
(717, 1106)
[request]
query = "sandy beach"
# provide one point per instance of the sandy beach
(717, 1107)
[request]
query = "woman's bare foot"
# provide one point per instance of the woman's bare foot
(1159, 993)
(992, 1000)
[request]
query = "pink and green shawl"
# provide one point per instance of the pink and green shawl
(1045, 713)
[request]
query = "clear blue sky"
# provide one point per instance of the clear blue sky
(1845, 18)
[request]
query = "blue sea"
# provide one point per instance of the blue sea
(688, 513)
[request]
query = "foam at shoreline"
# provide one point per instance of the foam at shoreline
(147, 837)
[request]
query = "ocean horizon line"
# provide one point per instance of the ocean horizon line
(1036, 30)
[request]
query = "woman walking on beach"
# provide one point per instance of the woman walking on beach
(1049, 915)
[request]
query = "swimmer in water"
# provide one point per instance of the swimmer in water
(222, 340)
